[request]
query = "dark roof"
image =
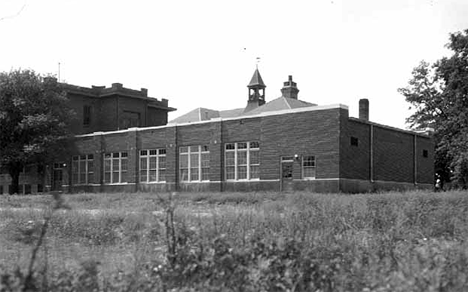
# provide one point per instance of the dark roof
(256, 79)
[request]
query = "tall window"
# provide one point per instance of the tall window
(86, 115)
(194, 163)
(308, 167)
(242, 161)
(82, 169)
(153, 165)
(115, 167)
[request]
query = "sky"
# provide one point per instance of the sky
(203, 53)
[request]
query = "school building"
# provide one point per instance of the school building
(124, 143)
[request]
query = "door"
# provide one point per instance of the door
(287, 166)
(57, 177)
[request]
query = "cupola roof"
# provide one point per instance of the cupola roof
(256, 80)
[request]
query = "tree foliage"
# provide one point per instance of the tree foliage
(34, 118)
(439, 94)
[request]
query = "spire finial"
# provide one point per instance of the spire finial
(258, 61)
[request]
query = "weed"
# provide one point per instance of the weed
(256, 242)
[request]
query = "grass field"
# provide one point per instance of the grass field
(412, 241)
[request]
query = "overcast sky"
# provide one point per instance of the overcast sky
(203, 53)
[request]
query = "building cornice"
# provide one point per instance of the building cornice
(217, 120)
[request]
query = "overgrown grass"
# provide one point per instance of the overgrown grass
(413, 241)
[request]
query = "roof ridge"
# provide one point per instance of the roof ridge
(286, 101)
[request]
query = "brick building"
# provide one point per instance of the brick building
(285, 144)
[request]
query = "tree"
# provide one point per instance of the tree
(34, 121)
(439, 94)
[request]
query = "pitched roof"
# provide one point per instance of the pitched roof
(231, 113)
(204, 114)
(256, 79)
(197, 115)
(281, 103)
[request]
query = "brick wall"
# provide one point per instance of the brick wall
(394, 155)
(355, 160)
(108, 114)
(133, 105)
(156, 117)
(109, 106)
(324, 134)
(307, 133)
(425, 165)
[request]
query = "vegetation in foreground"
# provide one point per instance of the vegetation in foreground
(411, 241)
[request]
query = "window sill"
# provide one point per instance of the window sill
(242, 180)
(152, 182)
(118, 184)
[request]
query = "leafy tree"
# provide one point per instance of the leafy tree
(34, 117)
(439, 94)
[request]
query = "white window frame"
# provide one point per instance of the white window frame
(304, 167)
(249, 149)
(202, 149)
(88, 171)
(152, 153)
(119, 156)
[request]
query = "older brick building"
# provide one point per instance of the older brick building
(285, 144)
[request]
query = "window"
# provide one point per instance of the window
(194, 163)
(40, 188)
(82, 169)
(153, 165)
(354, 141)
(115, 167)
(86, 115)
(242, 161)
(27, 189)
(58, 165)
(425, 153)
(129, 119)
(308, 167)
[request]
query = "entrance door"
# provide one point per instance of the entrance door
(57, 177)
(287, 166)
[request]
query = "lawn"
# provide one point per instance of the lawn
(412, 241)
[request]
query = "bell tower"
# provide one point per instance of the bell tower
(256, 92)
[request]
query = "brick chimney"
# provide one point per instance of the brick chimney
(290, 89)
(117, 86)
(364, 109)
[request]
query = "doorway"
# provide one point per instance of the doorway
(287, 167)
(57, 177)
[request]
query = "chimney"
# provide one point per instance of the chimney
(364, 109)
(117, 85)
(289, 89)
